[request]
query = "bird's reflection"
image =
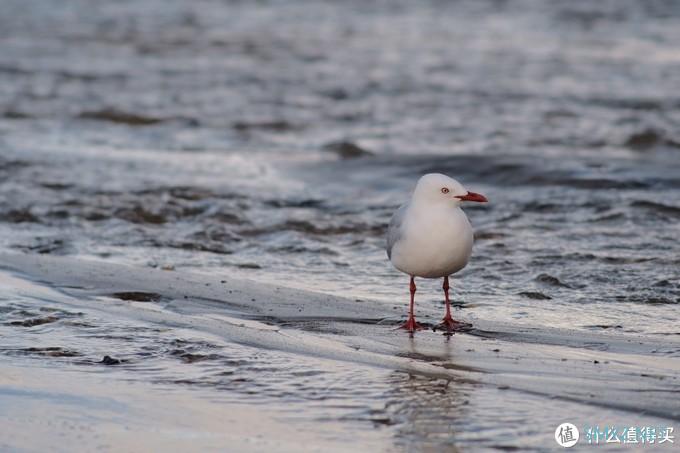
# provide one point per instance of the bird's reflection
(426, 409)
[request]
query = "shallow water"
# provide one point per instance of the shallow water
(151, 369)
(217, 138)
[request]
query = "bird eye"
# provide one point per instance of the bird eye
(445, 190)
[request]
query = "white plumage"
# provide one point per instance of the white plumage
(430, 236)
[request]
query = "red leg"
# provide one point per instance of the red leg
(447, 318)
(411, 325)
(448, 322)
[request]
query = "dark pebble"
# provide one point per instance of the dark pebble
(108, 360)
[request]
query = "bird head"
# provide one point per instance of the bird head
(438, 188)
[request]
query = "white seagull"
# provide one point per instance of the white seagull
(431, 237)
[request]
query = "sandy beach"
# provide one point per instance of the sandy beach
(255, 366)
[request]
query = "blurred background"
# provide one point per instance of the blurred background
(273, 140)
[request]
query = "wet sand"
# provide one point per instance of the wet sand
(465, 390)
(85, 412)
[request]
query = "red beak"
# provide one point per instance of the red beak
(472, 196)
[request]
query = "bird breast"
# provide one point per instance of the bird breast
(433, 244)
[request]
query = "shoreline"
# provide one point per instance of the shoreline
(598, 372)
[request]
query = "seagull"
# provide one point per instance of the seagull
(431, 237)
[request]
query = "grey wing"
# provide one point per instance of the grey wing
(394, 229)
